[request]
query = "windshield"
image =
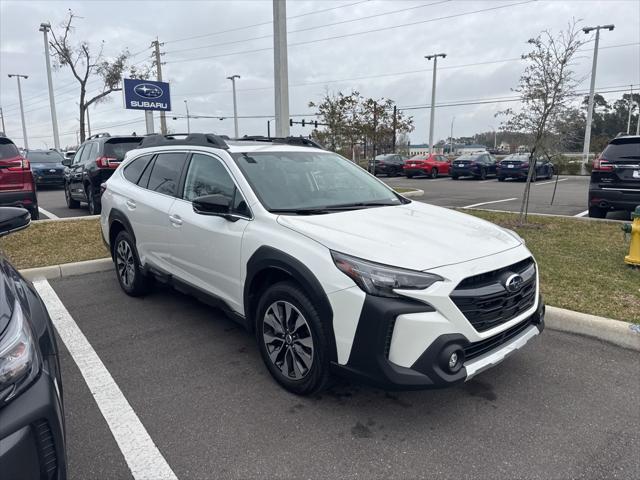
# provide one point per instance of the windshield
(468, 157)
(311, 180)
(44, 157)
(383, 157)
(418, 157)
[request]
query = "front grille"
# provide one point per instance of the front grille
(387, 343)
(486, 303)
(46, 449)
(476, 349)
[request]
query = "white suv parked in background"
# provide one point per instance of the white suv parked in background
(332, 270)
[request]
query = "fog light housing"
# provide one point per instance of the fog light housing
(453, 361)
(452, 358)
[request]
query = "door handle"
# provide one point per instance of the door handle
(175, 219)
(131, 204)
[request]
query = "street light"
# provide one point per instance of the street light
(451, 136)
(495, 136)
(24, 127)
(433, 57)
(235, 106)
(44, 28)
(186, 105)
(587, 133)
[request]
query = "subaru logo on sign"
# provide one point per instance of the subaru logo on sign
(147, 90)
(513, 283)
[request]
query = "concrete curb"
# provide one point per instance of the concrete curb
(619, 333)
(413, 193)
(622, 334)
(68, 269)
(64, 219)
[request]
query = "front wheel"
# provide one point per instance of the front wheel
(551, 172)
(597, 212)
(454, 177)
(128, 268)
(501, 179)
(483, 174)
(409, 175)
(71, 203)
(293, 339)
(434, 173)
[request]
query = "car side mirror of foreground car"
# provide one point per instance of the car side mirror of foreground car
(13, 219)
(215, 205)
(67, 162)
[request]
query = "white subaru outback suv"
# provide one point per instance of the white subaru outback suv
(332, 270)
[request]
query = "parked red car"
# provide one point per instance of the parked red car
(17, 188)
(430, 165)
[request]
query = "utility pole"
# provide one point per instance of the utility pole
(44, 28)
(235, 105)
(24, 127)
(186, 105)
(495, 136)
(631, 105)
(3, 127)
(587, 132)
(433, 57)
(451, 136)
(280, 69)
(156, 45)
(395, 126)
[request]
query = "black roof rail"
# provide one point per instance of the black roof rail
(98, 135)
(198, 139)
(297, 141)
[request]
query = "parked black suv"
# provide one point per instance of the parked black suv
(93, 163)
(32, 440)
(390, 164)
(615, 178)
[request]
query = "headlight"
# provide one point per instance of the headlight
(515, 235)
(381, 280)
(19, 363)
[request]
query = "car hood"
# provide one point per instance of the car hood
(417, 236)
(45, 166)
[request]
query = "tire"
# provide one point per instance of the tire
(597, 212)
(534, 177)
(128, 270)
(501, 179)
(94, 207)
(409, 175)
(309, 342)
(35, 213)
(71, 203)
(483, 174)
(454, 177)
(434, 173)
(551, 172)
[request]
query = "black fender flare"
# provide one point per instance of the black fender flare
(269, 258)
(117, 215)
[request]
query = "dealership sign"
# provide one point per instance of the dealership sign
(146, 95)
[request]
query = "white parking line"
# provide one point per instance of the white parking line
(552, 181)
(582, 214)
(142, 456)
(47, 213)
(487, 203)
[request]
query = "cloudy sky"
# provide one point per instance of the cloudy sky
(375, 47)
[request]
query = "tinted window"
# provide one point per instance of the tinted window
(623, 149)
(44, 157)
(135, 168)
(86, 153)
(117, 148)
(77, 156)
(166, 173)
(8, 150)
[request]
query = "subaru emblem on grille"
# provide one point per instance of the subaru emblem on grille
(513, 283)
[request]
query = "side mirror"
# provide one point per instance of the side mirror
(13, 219)
(67, 162)
(217, 205)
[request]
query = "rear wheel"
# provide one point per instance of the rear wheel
(409, 175)
(128, 268)
(501, 179)
(597, 212)
(454, 177)
(434, 173)
(94, 207)
(293, 339)
(71, 203)
(483, 174)
(534, 176)
(35, 213)
(551, 172)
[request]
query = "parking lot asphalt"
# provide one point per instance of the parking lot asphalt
(53, 205)
(564, 407)
(570, 198)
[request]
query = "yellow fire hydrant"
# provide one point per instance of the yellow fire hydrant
(634, 229)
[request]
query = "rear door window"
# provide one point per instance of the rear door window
(165, 174)
(117, 148)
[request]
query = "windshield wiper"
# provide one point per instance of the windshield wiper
(348, 206)
(300, 211)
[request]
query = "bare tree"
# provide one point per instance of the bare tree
(85, 64)
(546, 89)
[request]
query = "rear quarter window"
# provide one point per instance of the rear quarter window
(134, 169)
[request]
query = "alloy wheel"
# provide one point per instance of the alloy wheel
(288, 340)
(125, 263)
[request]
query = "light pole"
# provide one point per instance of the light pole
(433, 57)
(587, 132)
(495, 136)
(451, 136)
(24, 127)
(631, 105)
(44, 28)
(186, 105)
(235, 105)
(4, 128)
(280, 69)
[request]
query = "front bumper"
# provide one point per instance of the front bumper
(48, 179)
(32, 444)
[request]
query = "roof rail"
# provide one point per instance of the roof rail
(297, 141)
(199, 139)
(98, 135)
